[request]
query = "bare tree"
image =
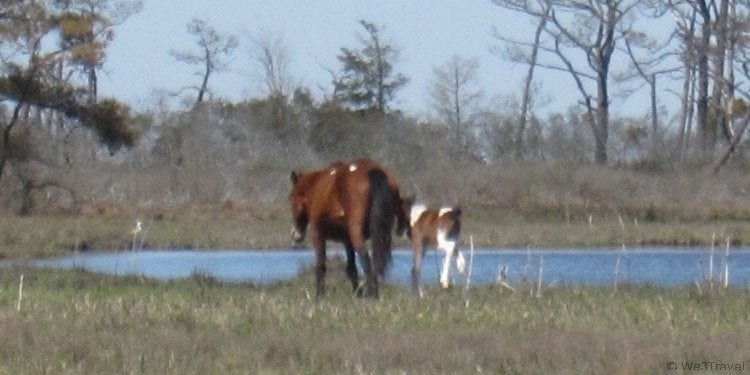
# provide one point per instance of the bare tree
(709, 18)
(514, 53)
(455, 94)
(708, 130)
(525, 53)
(526, 99)
(718, 101)
(711, 31)
(737, 108)
(272, 56)
(652, 61)
(212, 48)
(685, 31)
(591, 28)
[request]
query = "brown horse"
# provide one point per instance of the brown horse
(348, 202)
(439, 228)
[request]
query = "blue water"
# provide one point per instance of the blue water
(664, 266)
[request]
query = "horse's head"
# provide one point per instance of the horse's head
(298, 203)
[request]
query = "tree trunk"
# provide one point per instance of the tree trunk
(654, 109)
(93, 85)
(601, 123)
(688, 90)
(527, 88)
(685, 110)
(5, 150)
(602, 59)
(718, 101)
(457, 106)
(203, 88)
(732, 146)
(706, 126)
(206, 74)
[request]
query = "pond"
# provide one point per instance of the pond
(663, 266)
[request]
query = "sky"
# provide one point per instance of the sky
(427, 33)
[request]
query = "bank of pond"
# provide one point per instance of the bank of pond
(660, 266)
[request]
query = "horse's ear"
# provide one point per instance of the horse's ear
(408, 200)
(294, 177)
(456, 212)
(406, 204)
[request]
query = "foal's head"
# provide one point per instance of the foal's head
(449, 221)
(404, 216)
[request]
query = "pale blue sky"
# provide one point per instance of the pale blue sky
(428, 33)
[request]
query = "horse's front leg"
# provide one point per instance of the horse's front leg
(351, 268)
(448, 246)
(319, 244)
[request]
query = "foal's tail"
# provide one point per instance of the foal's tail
(381, 219)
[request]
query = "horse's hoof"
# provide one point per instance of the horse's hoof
(372, 294)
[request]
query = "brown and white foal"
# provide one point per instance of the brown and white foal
(438, 228)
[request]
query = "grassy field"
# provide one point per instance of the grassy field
(78, 322)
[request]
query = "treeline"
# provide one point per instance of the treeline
(242, 153)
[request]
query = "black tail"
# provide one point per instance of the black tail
(381, 219)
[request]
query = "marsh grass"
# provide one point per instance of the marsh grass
(50, 235)
(78, 322)
(516, 204)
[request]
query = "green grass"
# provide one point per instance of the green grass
(79, 322)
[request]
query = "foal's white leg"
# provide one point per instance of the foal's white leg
(448, 246)
(444, 273)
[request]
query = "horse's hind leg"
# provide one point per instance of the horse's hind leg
(351, 269)
(371, 277)
(320, 263)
